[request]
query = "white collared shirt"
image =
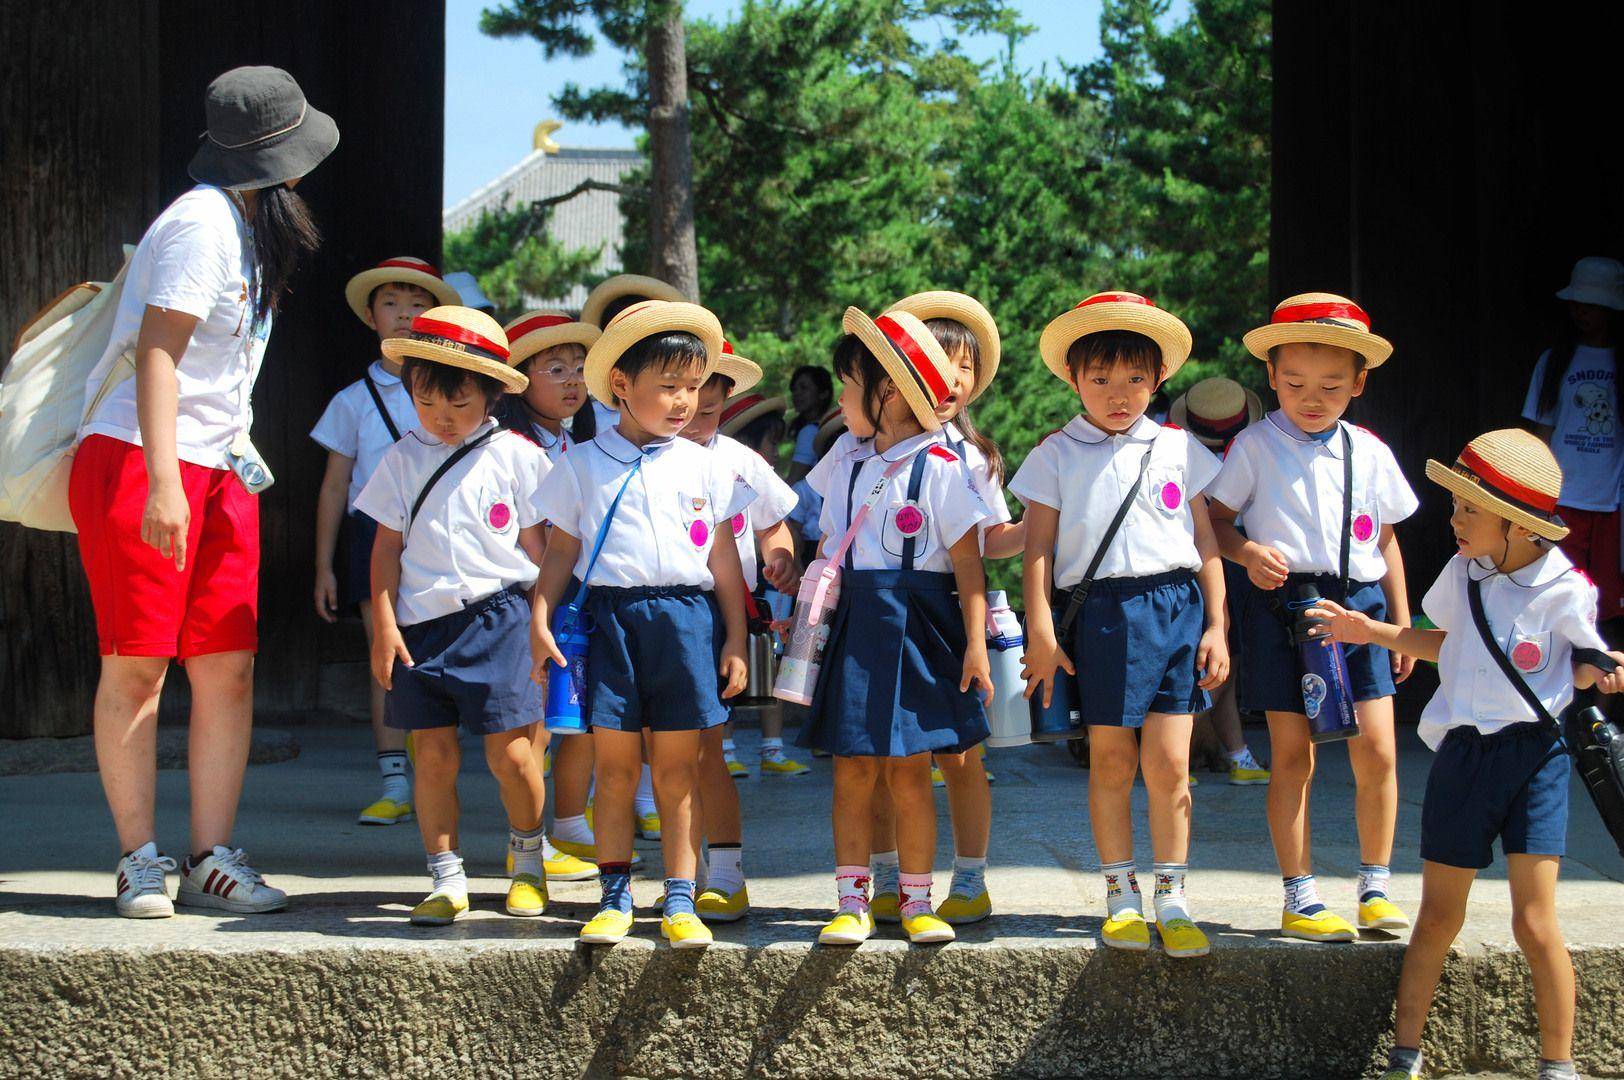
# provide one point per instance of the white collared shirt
(1537, 615)
(464, 544)
(832, 463)
(195, 258)
(665, 524)
(1289, 487)
(1085, 473)
(846, 446)
(948, 506)
(773, 500)
(352, 426)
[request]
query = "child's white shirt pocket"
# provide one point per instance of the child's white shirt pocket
(1530, 651)
(902, 523)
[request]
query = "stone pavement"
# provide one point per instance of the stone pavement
(342, 983)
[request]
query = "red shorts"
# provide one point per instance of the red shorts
(144, 606)
(1593, 545)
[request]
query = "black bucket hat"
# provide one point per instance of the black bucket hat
(262, 132)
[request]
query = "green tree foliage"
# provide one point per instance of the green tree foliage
(512, 257)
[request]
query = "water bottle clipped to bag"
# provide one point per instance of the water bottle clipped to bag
(1323, 669)
(1008, 717)
(808, 635)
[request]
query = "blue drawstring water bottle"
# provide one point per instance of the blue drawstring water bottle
(1327, 692)
(566, 686)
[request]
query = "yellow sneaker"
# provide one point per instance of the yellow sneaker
(926, 929)
(685, 931)
(1320, 926)
(440, 909)
(586, 853)
(386, 812)
(1193, 781)
(569, 868)
(547, 763)
(936, 777)
(526, 895)
(1382, 914)
(1127, 931)
(736, 768)
(886, 907)
(847, 928)
(1247, 772)
(607, 927)
(648, 826)
(714, 905)
(1182, 938)
(960, 910)
(779, 765)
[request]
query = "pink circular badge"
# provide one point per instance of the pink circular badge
(738, 525)
(1364, 527)
(500, 515)
(1526, 655)
(699, 532)
(1172, 496)
(910, 519)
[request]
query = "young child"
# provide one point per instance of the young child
(904, 660)
(1216, 410)
(459, 540)
(608, 299)
(969, 336)
(550, 348)
(362, 421)
(665, 602)
(1499, 771)
(1149, 628)
(725, 898)
(1306, 526)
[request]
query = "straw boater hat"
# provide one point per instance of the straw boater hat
(261, 131)
(1215, 410)
(744, 373)
(645, 320)
(405, 269)
(1115, 311)
(829, 429)
(1322, 318)
(534, 331)
(741, 409)
(911, 355)
(609, 290)
(1510, 473)
(461, 337)
(968, 311)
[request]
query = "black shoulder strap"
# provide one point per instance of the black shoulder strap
(1347, 507)
(1079, 592)
(916, 477)
(445, 466)
(1474, 598)
(383, 410)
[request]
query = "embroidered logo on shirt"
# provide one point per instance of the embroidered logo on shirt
(698, 503)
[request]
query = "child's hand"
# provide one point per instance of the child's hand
(977, 670)
(1403, 666)
(782, 573)
(1613, 681)
(387, 645)
(733, 670)
(543, 650)
(1266, 566)
(327, 594)
(1041, 662)
(1340, 624)
(1212, 657)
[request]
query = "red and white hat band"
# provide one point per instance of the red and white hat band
(1341, 314)
(539, 322)
(409, 264)
(1474, 467)
(749, 401)
(914, 359)
(458, 338)
(1116, 298)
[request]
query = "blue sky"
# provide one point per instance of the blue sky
(497, 90)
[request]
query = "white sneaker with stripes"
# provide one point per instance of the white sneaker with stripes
(143, 890)
(224, 880)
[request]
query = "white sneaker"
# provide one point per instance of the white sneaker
(225, 880)
(143, 890)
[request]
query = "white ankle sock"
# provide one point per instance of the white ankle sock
(851, 885)
(1169, 895)
(969, 876)
(915, 893)
(446, 867)
(1121, 888)
(643, 801)
(396, 784)
(1372, 881)
(1302, 895)
(884, 868)
(726, 868)
(772, 748)
(727, 746)
(574, 830)
(526, 849)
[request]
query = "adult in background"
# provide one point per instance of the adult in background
(811, 391)
(1573, 405)
(164, 481)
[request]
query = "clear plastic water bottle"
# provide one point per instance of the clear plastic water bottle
(809, 635)
(1327, 691)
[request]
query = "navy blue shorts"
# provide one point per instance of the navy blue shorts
(1512, 784)
(1134, 646)
(353, 555)
(1270, 678)
(471, 667)
(653, 658)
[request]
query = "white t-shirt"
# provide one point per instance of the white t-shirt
(663, 529)
(351, 424)
(464, 544)
(1537, 615)
(773, 500)
(1585, 433)
(948, 506)
(1085, 473)
(195, 258)
(1289, 487)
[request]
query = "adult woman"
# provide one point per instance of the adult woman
(811, 389)
(163, 482)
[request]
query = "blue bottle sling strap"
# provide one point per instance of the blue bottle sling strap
(1277, 606)
(446, 466)
(574, 605)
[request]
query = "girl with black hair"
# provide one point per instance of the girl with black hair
(811, 389)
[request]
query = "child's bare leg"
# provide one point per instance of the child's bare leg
(1292, 759)
(1164, 754)
(674, 759)
(1226, 717)
(438, 759)
(883, 829)
(515, 762)
(915, 801)
(387, 739)
(1374, 757)
(718, 793)
(618, 762)
(1113, 759)
(969, 802)
(1534, 924)
(851, 815)
(572, 775)
(1443, 909)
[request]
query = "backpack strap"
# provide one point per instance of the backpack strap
(1347, 510)
(1079, 592)
(1474, 598)
(916, 479)
(383, 410)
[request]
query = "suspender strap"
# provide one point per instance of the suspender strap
(1347, 508)
(916, 478)
(446, 466)
(383, 410)
(1079, 591)
(603, 534)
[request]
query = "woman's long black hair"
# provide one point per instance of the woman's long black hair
(1556, 365)
(284, 232)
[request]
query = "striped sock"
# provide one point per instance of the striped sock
(1372, 881)
(392, 767)
(1121, 888)
(1302, 895)
(969, 877)
(883, 868)
(679, 896)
